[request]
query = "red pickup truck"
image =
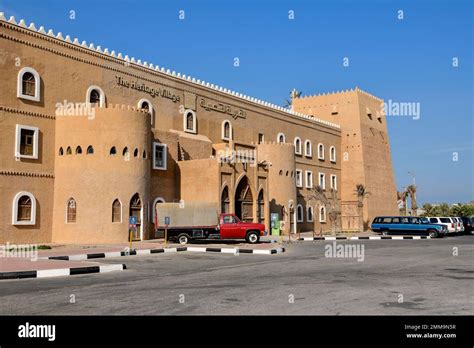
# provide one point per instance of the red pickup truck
(195, 220)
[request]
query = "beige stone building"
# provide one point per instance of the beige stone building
(89, 137)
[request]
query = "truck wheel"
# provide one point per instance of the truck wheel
(252, 237)
(432, 233)
(183, 238)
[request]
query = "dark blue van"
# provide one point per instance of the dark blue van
(407, 225)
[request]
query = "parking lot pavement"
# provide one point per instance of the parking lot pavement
(423, 277)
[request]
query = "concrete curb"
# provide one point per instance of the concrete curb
(235, 251)
(364, 238)
(61, 272)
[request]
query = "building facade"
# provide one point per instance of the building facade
(90, 137)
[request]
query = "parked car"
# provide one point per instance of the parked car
(407, 225)
(460, 225)
(467, 222)
(447, 221)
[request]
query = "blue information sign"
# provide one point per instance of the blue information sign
(132, 220)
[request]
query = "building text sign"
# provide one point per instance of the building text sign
(220, 107)
(140, 86)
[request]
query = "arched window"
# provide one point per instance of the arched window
(61, 151)
(116, 211)
(24, 209)
(90, 150)
(322, 214)
(135, 153)
(225, 202)
(320, 151)
(297, 146)
(28, 84)
(125, 153)
(157, 200)
(308, 149)
(68, 151)
(95, 95)
(113, 150)
(299, 213)
(281, 138)
(189, 121)
(309, 214)
(146, 105)
(71, 211)
(226, 130)
(78, 150)
(144, 154)
(332, 154)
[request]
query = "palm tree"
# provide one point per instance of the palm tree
(362, 193)
(443, 209)
(411, 190)
(402, 196)
(429, 210)
(293, 94)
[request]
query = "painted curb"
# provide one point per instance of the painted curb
(365, 238)
(235, 251)
(61, 272)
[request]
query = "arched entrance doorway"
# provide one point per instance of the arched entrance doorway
(136, 210)
(225, 202)
(244, 201)
(261, 208)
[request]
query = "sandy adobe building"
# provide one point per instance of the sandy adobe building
(90, 137)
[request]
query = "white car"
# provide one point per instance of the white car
(449, 222)
(460, 224)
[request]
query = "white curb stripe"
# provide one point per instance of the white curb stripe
(170, 250)
(113, 254)
(143, 251)
(79, 257)
(197, 249)
(397, 237)
(229, 250)
(261, 252)
(45, 273)
(375, 237)
(110, 268)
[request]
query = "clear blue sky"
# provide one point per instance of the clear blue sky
(407, 60)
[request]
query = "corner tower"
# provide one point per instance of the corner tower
(365, 152)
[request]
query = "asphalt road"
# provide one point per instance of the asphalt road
(407, 277)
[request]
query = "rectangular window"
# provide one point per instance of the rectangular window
(261, 138)
(322, 180)
(26, 142)
(299, 178)
(309, 179)
(160, 154)
(334, 182)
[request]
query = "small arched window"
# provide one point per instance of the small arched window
(28, 84)
(320, 151)
(125, 152)
(144, 154)
(190, 121)
(309, 214)
(322, 214)
(68, 151)
(332, 154)
(146, 105)
(95, 95)
(113, 150)
(281, 138)
(308, 149)
(61, 151)
(78, 150)
(71, 209)
(226, 130)
(135, 153)
(297, 143)
(24, 209)
(90, 150)
(116, 211)
(299, 213)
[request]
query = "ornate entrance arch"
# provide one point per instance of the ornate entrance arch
(244, 201)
